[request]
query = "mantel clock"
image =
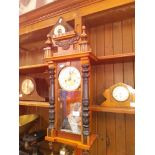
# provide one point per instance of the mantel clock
(119, 95)
(33, 89)
(70, 88)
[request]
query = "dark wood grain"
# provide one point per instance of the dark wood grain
(51, 100)
(85, 99)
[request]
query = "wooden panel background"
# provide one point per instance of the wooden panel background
(116, 132)
(33, 54)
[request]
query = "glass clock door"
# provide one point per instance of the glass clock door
(70, 107)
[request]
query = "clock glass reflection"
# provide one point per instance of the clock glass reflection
(70, 107)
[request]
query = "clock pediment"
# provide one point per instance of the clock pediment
(63, 36)
(60, 26)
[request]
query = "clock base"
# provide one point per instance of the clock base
(115, 104)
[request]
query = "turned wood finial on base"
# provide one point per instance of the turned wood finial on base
(48, 42)
(83, 43)
(47, 49)
(83, 35)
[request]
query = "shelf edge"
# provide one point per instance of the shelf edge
(34, 103)
(96, 108)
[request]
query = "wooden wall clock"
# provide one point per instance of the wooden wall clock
(119, 95)
(70, 88)
(33, 89)
(69, 96)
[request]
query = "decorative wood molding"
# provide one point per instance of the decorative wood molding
(65, 44)
(42, 18)
(73, 56)
(72, 142)
(53, 9)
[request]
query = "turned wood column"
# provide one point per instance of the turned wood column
(51, 99)
(85, 101)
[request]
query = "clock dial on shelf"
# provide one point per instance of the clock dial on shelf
(69, 78)
(120, 93)
(27, 86)
(59, 29)
(33, 89)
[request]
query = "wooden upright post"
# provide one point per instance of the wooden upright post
(51, 99)
(85, 100)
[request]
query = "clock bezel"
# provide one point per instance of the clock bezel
(120, 85)
(34, 85)
(61, 27)
(61, 86)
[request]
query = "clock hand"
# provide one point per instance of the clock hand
(27, 85)
(70, 74)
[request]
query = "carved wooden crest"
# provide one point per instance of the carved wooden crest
(63, 36)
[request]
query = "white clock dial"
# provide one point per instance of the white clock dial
(59, 29)
(120, 93)
(27, 86)
(69, 78)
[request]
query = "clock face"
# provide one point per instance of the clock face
(120, 93)
(69, 78)
(27, 86)
(59, 29)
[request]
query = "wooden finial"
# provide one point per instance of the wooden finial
(48, 42)
(83, 43)
(83, 35)
(47, 49)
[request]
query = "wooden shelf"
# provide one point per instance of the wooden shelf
(39, 68)
(41, 18)
(116, 58)
(73, 143)
(98, 108)
(34, 103)
(110, 15)
(96, 60)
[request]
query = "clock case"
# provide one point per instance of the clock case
(40, 92)
(112, 102)
(82, 59)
